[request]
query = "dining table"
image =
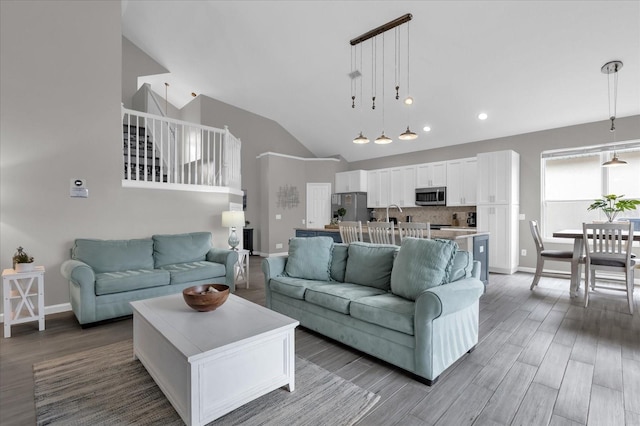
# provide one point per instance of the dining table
(578, 249)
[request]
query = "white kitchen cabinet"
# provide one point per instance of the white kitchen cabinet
(461, 182)
(499, 177)
(385, 187)
(353, 181)
(373, 188)
(431, 174)
(501, 220)
(403, 186)
(378, 185)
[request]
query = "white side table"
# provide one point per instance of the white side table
(242, 267)
(23, 301)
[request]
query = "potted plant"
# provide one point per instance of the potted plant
(22, 262)
(613, 204)
(341, 212)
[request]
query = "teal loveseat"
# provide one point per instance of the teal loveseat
(415, 307)
(105, 275)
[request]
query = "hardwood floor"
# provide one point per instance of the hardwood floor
(542, 359)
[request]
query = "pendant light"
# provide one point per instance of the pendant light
(612, 68)
(360, 139)
(408, 135)
(383, 139)
(372, 35)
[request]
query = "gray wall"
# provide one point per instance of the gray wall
(258, 135)
(135, 63)
(278, 172)
(529, 146)
(60, 79)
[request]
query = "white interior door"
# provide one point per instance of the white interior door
(318, 205)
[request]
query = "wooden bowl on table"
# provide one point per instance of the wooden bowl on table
(207, 297)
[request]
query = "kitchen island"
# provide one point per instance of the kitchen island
(468, 239)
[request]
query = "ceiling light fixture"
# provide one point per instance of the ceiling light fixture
(408, 135)
(610, 68)
(426, 128)
(372, 34)
(360, 139)
(383, 139)
(482, 116)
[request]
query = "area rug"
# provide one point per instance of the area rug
(106, 386)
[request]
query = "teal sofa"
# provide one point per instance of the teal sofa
(415, 307)
(105, 275)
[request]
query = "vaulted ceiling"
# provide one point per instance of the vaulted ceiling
(530, 65)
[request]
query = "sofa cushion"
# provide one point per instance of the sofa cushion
(293, 287)
(462, 266)
(114, 255)
(338, 297)
(310, 258)
(386, 310)
(370, 264)
(195, 271)
(180, 248)
(339, 261)
(422, 264)
(117, 282)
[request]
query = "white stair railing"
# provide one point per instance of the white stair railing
(167, 151)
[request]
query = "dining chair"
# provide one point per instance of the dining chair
(414, 229)
(609, 250)
(551, 255)
(381, 232)
(350, 231)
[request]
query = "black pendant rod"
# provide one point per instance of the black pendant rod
(381, 29)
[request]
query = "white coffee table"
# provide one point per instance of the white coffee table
(210, 363)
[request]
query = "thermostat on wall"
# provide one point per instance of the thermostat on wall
(79, 188)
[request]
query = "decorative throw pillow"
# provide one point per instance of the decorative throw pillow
(310, 258)
(370, 264)
(339, 261)
(420, 265)
(462, 266)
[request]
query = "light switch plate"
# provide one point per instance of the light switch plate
(278, 216)
(78, 188)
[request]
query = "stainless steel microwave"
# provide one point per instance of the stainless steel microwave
(436, 196)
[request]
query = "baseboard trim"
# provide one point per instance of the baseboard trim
(567, 275)
(49, 310)
(284, 253)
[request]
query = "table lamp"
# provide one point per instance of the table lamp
(233, 219)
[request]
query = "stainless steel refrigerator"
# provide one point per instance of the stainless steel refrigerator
(355, 203)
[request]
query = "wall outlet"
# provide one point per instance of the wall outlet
(521, 216)
(523, 252)
(278, 245)
(278, 216)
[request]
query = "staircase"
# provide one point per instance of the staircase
(140, 156)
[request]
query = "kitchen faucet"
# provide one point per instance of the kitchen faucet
(392, 205)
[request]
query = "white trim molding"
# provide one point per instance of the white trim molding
(276, 154)
(49, 310)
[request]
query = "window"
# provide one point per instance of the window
(572, 179)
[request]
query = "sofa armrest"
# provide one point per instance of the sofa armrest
(447, 298)
(228, 258)
(82, 289)
(272, 267)
(79, 273)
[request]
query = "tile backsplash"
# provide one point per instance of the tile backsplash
(435, 214)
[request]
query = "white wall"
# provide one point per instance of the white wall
(60, 79)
